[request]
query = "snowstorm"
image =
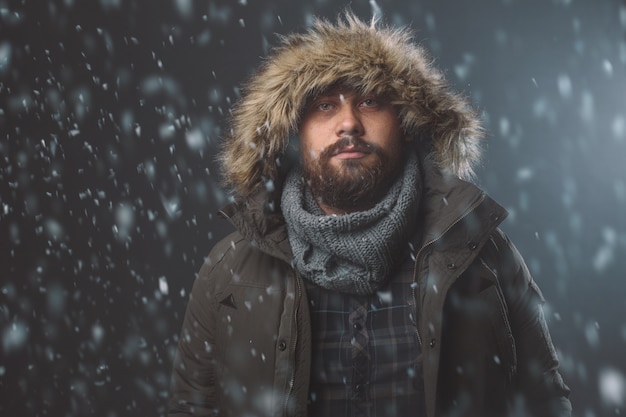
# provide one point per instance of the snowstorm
(111, 117)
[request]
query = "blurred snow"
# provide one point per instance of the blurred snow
(565, 86)
(111, 114)
(110, 4)
(592, 334)
(124, 220)
(14, 336)
(163, 287)
(612, 385)
(185, 8)
(608, 67)
(171, 205)
(195, 139)
(97, 333)
(619, 128)
(377, 12)
(605, 254)
(5, 57)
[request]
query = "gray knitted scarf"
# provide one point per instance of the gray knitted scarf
(356, 252)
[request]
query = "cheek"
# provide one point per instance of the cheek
(307, 154)
(310, 148)
(307, 142)
(312, 154)
(397, 149)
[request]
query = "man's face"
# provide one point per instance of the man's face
(352, 149)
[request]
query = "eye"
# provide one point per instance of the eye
(369, 102)
(324, 106)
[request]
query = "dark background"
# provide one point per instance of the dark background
(110, 116)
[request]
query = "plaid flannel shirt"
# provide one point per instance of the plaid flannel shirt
(365, 351)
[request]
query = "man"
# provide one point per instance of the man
(368, 278)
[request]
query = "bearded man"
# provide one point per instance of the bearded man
(369, 278)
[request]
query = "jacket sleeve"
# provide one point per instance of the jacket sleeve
(537, 378)
(192, 386)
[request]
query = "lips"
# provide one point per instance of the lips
(350, 152)
(349, 147)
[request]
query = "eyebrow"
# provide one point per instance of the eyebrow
(343, 93)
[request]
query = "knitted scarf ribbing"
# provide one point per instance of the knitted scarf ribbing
(356, 252)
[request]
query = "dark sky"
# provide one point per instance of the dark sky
(111, 112)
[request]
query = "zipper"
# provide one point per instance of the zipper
(292, 381)
(427, 244)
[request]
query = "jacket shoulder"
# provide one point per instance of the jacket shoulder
(214, 272)
(235, 260)
(220, 250)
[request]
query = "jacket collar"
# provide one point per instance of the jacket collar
(259, 219)
(457, 218)
(448, 200)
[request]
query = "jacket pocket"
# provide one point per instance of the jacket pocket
(247, 322)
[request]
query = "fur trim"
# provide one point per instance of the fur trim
(369, 58)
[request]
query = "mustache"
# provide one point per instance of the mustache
(354, 142)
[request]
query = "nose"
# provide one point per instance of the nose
(349, 121)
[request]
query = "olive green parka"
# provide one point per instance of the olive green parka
(245, 344)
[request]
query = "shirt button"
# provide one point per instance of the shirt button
(357, 327)
(282, 345)
(432, 343)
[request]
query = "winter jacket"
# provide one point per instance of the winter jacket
(245, 342)
(245, 346)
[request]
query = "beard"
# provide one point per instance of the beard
(355, 184)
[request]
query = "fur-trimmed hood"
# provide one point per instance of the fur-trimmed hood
(370, 58)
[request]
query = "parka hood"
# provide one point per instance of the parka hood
(369, 58)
